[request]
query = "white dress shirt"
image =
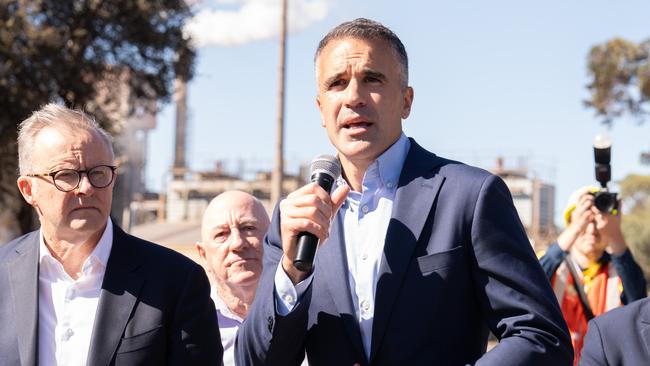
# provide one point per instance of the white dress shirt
(365, 218)
(229, 322)
(67, 307)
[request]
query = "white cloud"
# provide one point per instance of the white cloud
(254, 20)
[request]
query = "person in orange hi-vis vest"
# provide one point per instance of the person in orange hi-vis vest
(590, 266)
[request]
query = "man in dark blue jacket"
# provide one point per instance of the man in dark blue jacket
(425, 255)
(620, 337)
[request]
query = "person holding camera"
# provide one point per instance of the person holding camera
(590, 266)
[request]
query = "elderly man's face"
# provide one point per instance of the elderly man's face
(78, 214)
(361, 97)
(232, 232)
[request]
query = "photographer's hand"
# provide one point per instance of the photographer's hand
(609, 227)
(581, 216)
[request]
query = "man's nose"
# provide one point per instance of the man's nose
(237, 242)
(591, 227)
(354, 95)
(84, 187)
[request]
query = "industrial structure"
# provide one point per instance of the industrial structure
(534, 201)
(187, 197)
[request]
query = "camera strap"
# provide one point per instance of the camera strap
(579, 289)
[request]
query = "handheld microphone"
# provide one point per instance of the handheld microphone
(324, 171)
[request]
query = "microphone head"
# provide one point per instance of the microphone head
(327, 164)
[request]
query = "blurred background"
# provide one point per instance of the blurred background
(197, 94)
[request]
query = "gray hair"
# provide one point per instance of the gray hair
(367, 29)
(57, 117)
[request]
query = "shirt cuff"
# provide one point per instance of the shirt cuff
(287, 296)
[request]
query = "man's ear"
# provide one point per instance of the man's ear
(26, 188)
(408, 101)
(201, 251)
(322, 120)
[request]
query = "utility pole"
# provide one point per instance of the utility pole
(180, 164)
(180, 97)
(278, 171)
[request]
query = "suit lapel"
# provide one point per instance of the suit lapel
(333, 260)
(120, 290)
(417, 190)
(23, 272)
(645, 326)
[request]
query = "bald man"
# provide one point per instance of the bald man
(231, 251)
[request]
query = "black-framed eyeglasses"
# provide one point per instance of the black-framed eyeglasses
(66, 180)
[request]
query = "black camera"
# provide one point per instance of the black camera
(604, 200)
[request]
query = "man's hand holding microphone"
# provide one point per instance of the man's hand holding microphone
(306, 214)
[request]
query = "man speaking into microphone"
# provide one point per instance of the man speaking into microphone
(419, 257)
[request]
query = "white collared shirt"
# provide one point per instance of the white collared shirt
(229, 323)
(67, 307)
(365, 218)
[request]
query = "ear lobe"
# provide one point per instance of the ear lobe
(322, 120)
(201, 251)
(408, 101)
(25, 188)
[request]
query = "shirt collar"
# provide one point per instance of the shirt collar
(221, 306)
(101, 252)
(388, 166)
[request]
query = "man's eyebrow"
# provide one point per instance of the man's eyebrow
(367, 72)
(220, 227)
(249, 222)
(217, 228)
(64, 163)
(374, 74)
(327, 82)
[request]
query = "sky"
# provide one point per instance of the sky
(497, 78)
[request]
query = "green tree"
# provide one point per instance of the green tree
(620, 79)
(635, 193)
(71, 52)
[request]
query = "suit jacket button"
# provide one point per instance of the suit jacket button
(270, 323)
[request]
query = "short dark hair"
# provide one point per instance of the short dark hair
(367, 29)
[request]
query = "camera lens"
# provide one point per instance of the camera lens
(605, 201)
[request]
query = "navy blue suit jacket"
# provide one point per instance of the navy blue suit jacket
(154, 307)
(456, 264)
(619, 337)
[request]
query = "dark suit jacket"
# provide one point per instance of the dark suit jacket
(154, 307)
(456, 264)
(619, 337)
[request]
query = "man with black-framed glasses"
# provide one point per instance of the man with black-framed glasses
(80, 291)
(66, 180)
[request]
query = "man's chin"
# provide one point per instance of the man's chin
(359, 150)
(87, 227)
(84, 225)
(247, 278)
(594, 250)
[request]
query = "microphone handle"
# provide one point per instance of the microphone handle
(308, 242)
(306, 251)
